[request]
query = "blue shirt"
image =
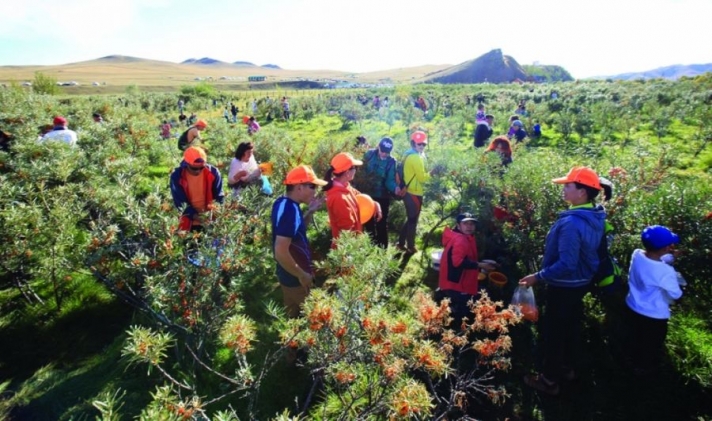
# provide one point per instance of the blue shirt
(288, 221)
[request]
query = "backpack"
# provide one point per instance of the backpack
(183, 140)
(608, 278)
(400, 179)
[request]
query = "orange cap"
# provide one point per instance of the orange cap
(195, 156)
(303, 174)
(581, 175)
(201, 124)
(343, 161)
(419, 137)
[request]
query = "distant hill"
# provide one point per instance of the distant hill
(673, 72)
(270, 66)
(244, 64)
(204, 60)
(492, 67)
(547, 73)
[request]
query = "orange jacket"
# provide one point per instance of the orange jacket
(344, 214)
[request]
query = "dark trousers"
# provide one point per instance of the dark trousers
(646, 340)
(378, 231)
(561, 329)
(413, 205)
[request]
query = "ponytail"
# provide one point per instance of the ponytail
(329, 177)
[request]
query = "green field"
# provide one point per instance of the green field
(103, 317)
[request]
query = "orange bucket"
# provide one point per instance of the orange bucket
(497, 279)
(266, 168)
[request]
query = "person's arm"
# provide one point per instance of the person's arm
(235, 174)
(287, 262)
(390, 181)
(670, 287)
(461, 260)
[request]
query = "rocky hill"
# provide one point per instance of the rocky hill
(493, 67)
(547, 73)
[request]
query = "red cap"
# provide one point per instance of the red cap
(201, 124)
(195, 156)
(60, 121)
(419, 137)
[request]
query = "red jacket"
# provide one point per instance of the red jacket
(344, 214)
(458, 265)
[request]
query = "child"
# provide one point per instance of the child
(512, 127)
(480, 116)
(653, 287)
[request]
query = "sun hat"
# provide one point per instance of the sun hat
(467, 216)
(658, 236)
(343, 161)
(201, 124)
(419, 137)
(303, 174)
(195, 156)
(581, 175)
(59, 121)
(386, 145)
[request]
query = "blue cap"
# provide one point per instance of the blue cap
(386, 145)
(658, 236)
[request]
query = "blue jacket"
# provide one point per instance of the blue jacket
(179, 185)
(571, 249)
(383, 172)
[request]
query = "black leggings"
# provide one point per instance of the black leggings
(413, 204)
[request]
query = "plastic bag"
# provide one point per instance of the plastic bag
(524, 298)
(266, 186)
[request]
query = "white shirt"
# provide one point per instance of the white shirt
(653, 286)
(236, 165)
(64, 135)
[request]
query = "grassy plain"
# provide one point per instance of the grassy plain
(114, 74)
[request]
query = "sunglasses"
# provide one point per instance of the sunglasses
(421, 144)
(310, 185)
(195, 169)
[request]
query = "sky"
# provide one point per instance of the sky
(587, 38)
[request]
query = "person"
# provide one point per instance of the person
(512, 127)
(285, 108)
(536, 130)
(521, 108)
(226, 115)
(60, 132)
(386, 102)
(341, 203)
(252, 126)
(243, 168)
(376, 102)
(191, 135)
(182, 118)
(181, 105)
(653, 286)
(165, 130)
(290, 245)
(414, 177)
(519, 132)
(483, 131)
(234, 110)
(97, 118)
(195, 187)
(192, 119)
(480, 116)
(380, 173)
(569, 263)
(501, 145)
(254, 106)
(458, 278)
(422, 104)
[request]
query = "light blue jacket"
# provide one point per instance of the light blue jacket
(571, 249)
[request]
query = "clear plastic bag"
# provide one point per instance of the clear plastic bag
(524, 298)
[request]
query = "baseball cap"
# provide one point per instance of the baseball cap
(467, 216)
(194, 156)
(517, 123)
(386, 145)
(658, 236)
(303, 174)
(582, 175)
(343, 161)
(201, 124)
(60, 121)
(419, 137)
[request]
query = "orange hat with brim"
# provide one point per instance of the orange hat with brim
(303, 174)
(419, 137)
(195, 156)
(343, 161)
(581, 175)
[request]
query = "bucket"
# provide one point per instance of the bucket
(497, 279)
(435, 257)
